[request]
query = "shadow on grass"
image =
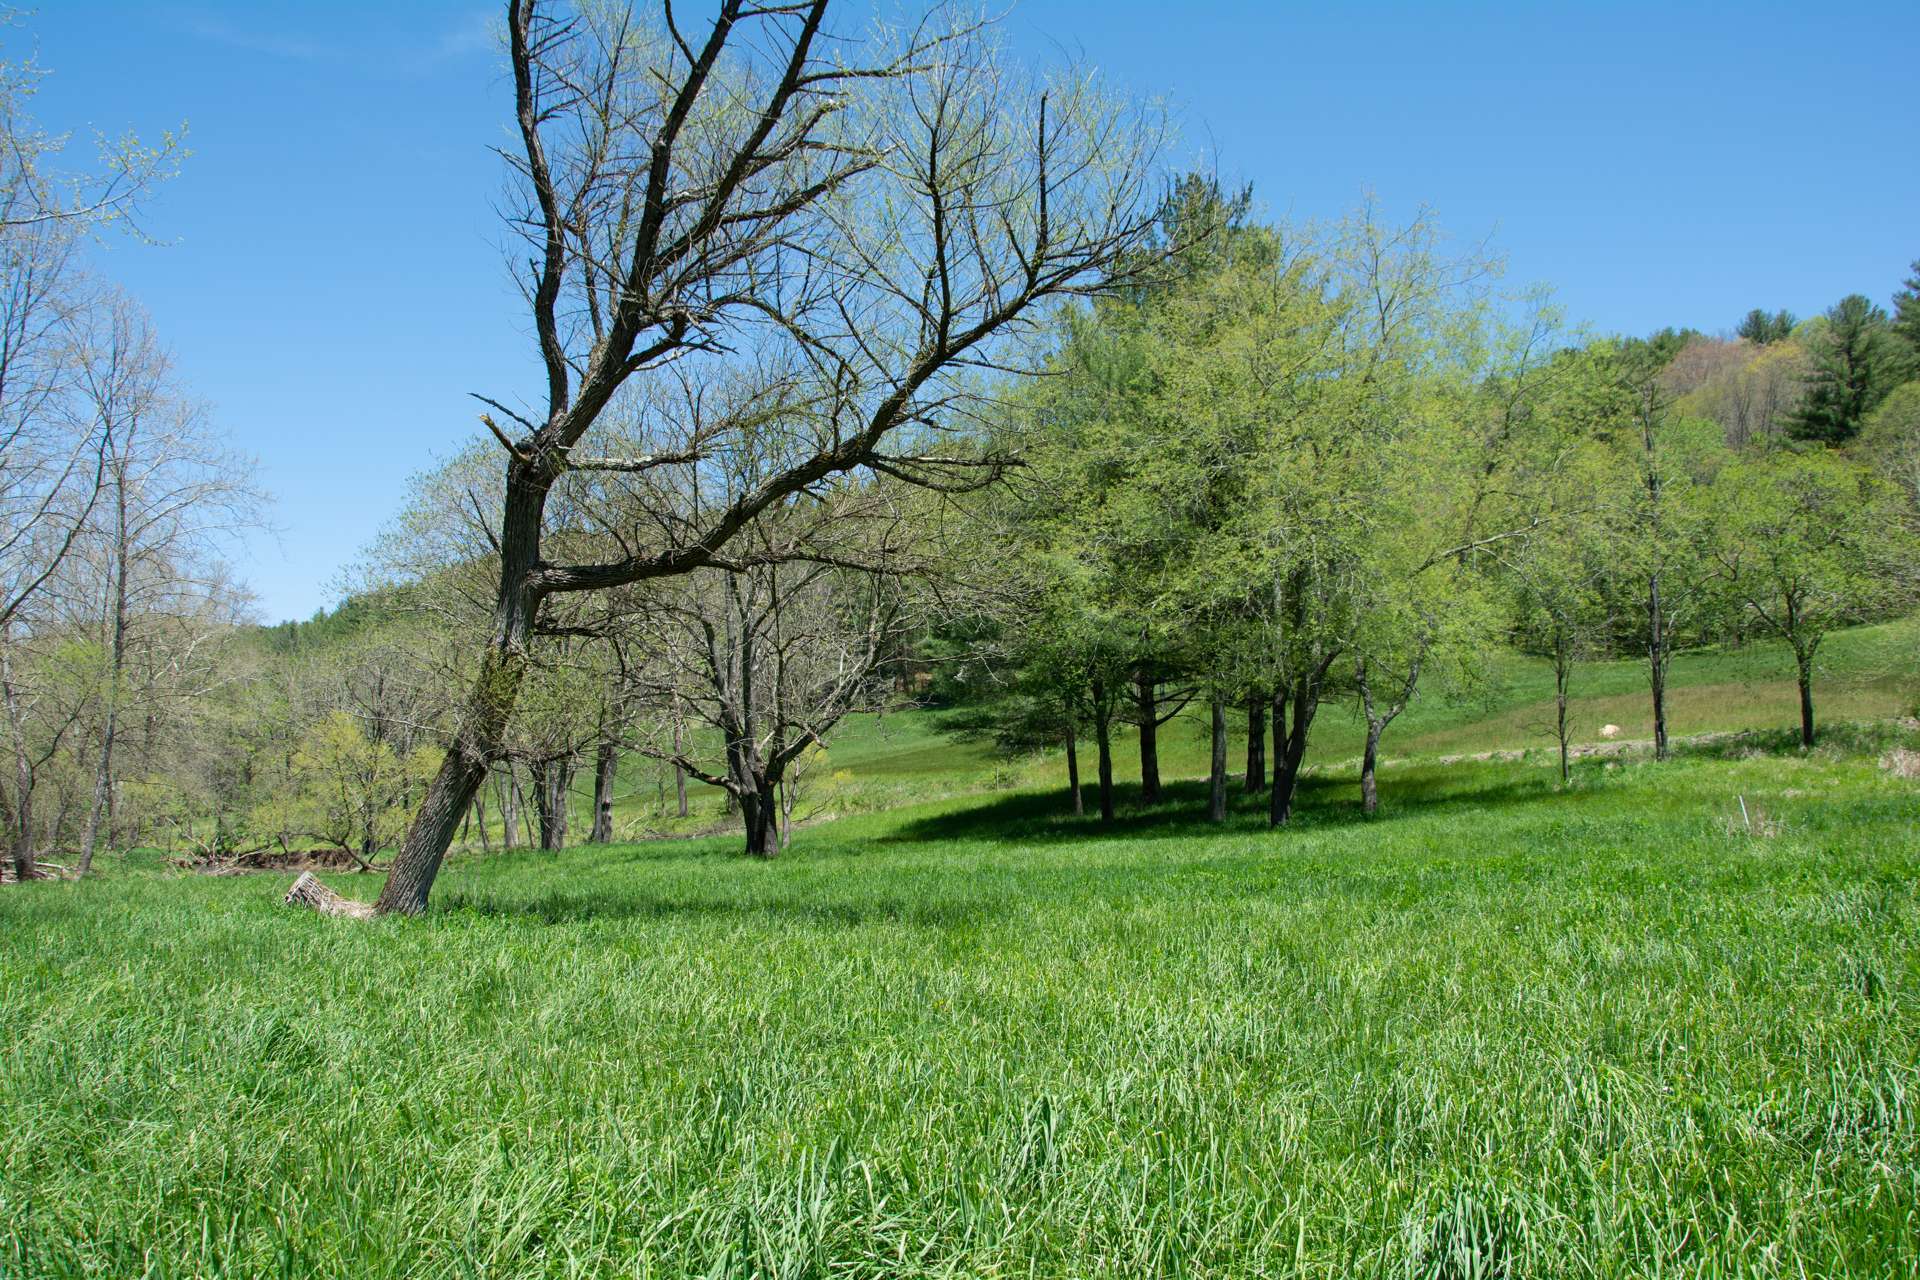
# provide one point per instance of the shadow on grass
(1320, 803)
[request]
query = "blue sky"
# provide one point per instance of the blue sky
(333, 281)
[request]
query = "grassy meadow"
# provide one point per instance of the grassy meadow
(1500, 1030)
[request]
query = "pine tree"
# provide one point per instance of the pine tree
(1906, 318)
(1761, 328)
(1853, 369)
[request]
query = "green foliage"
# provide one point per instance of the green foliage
(1856, 362)
(1761, 328)
(347, 789)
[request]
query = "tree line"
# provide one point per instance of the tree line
(868, 380)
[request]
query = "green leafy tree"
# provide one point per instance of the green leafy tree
(1796, 540)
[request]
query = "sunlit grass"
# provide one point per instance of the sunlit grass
(1502, 1030)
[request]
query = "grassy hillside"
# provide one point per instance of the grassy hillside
(876, 763)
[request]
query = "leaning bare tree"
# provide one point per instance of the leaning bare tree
(858, 235)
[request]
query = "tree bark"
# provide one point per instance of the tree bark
(1562, 672)
(1657, 666)
(1256, 745)
(552, 783)
(606, 769)
(102, 811)
(1073, 772)
(1369, 762)
(1103, 738)
(762, 812)
(1149, 740)
(1804, 665)
(679, 774)
(22, 850)
(1217, 788)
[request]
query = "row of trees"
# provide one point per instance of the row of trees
(788, 460)
(1317, 467)
(115, 499)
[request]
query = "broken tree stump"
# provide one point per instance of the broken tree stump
(307, 891)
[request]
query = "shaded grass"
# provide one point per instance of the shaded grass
(1501, 1030)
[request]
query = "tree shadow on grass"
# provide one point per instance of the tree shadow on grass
(1320, 803)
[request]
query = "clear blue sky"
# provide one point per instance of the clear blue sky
(334, 284)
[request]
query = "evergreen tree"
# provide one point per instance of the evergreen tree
(1761, 328)
(1906, 319)
(1853, 369)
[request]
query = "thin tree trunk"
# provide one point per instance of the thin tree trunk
(680, 775)
(1103, 739)
(1369, 763)
(1217, 789)
(1805, 667)
(606, 768)
(1657, 666)
(1562, 671)
(1149, 740)
(101, 814)
(24, 868)
(553, 781)
(1256, 745)
(509, 809)
(1073, 772)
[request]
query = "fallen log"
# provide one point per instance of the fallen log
(307, 891)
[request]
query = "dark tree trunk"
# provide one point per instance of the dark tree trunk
(1369, 762)
(1657, 666)
(606, 769)
(1217, 776)
(1256, 744)
(1562, 671)
(1103, 739)
(761, 809)
(1804, 663)
(1149, 740)
(552, 781)
(1073, 772)
(1286, 769)
(482, 718)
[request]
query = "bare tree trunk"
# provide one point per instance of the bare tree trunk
(509, 813)
(1149, 740)
(1256, 745)
(552, 784)
(24, 868)
(762, 812)
(1217, 790)
(1286, 771)
(1073, 772)
(1369, 763)
(680, 775)
(101, 813)
(1803, 662)
(606, 769)
(1562, 677)
(1103, 738)
(1657, 666)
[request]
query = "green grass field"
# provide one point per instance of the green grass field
(1501, 1030)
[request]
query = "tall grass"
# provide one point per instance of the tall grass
(1501, 1031)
